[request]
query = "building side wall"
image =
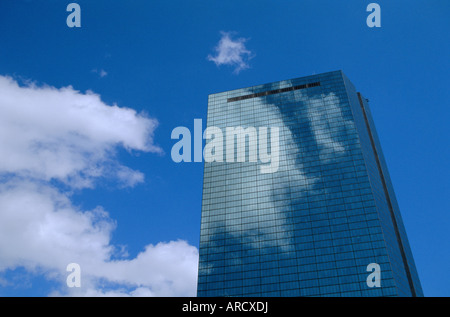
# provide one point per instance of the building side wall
(393, 229)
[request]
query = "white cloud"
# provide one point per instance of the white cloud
(231, 52)
(41, 230)
(102, 73)
(50, 135)
(325, 127)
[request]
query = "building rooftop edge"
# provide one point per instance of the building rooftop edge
(295, 78)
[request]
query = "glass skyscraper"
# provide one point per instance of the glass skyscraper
(312, 227)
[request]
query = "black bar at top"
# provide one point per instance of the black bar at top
(272, 92)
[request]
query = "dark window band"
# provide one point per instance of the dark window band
(272, 92)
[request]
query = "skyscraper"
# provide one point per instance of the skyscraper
(316, 225)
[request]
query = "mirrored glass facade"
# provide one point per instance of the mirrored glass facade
(312, 227)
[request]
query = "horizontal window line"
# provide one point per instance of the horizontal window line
(272, 92)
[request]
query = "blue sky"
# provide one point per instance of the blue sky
(136, 210)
